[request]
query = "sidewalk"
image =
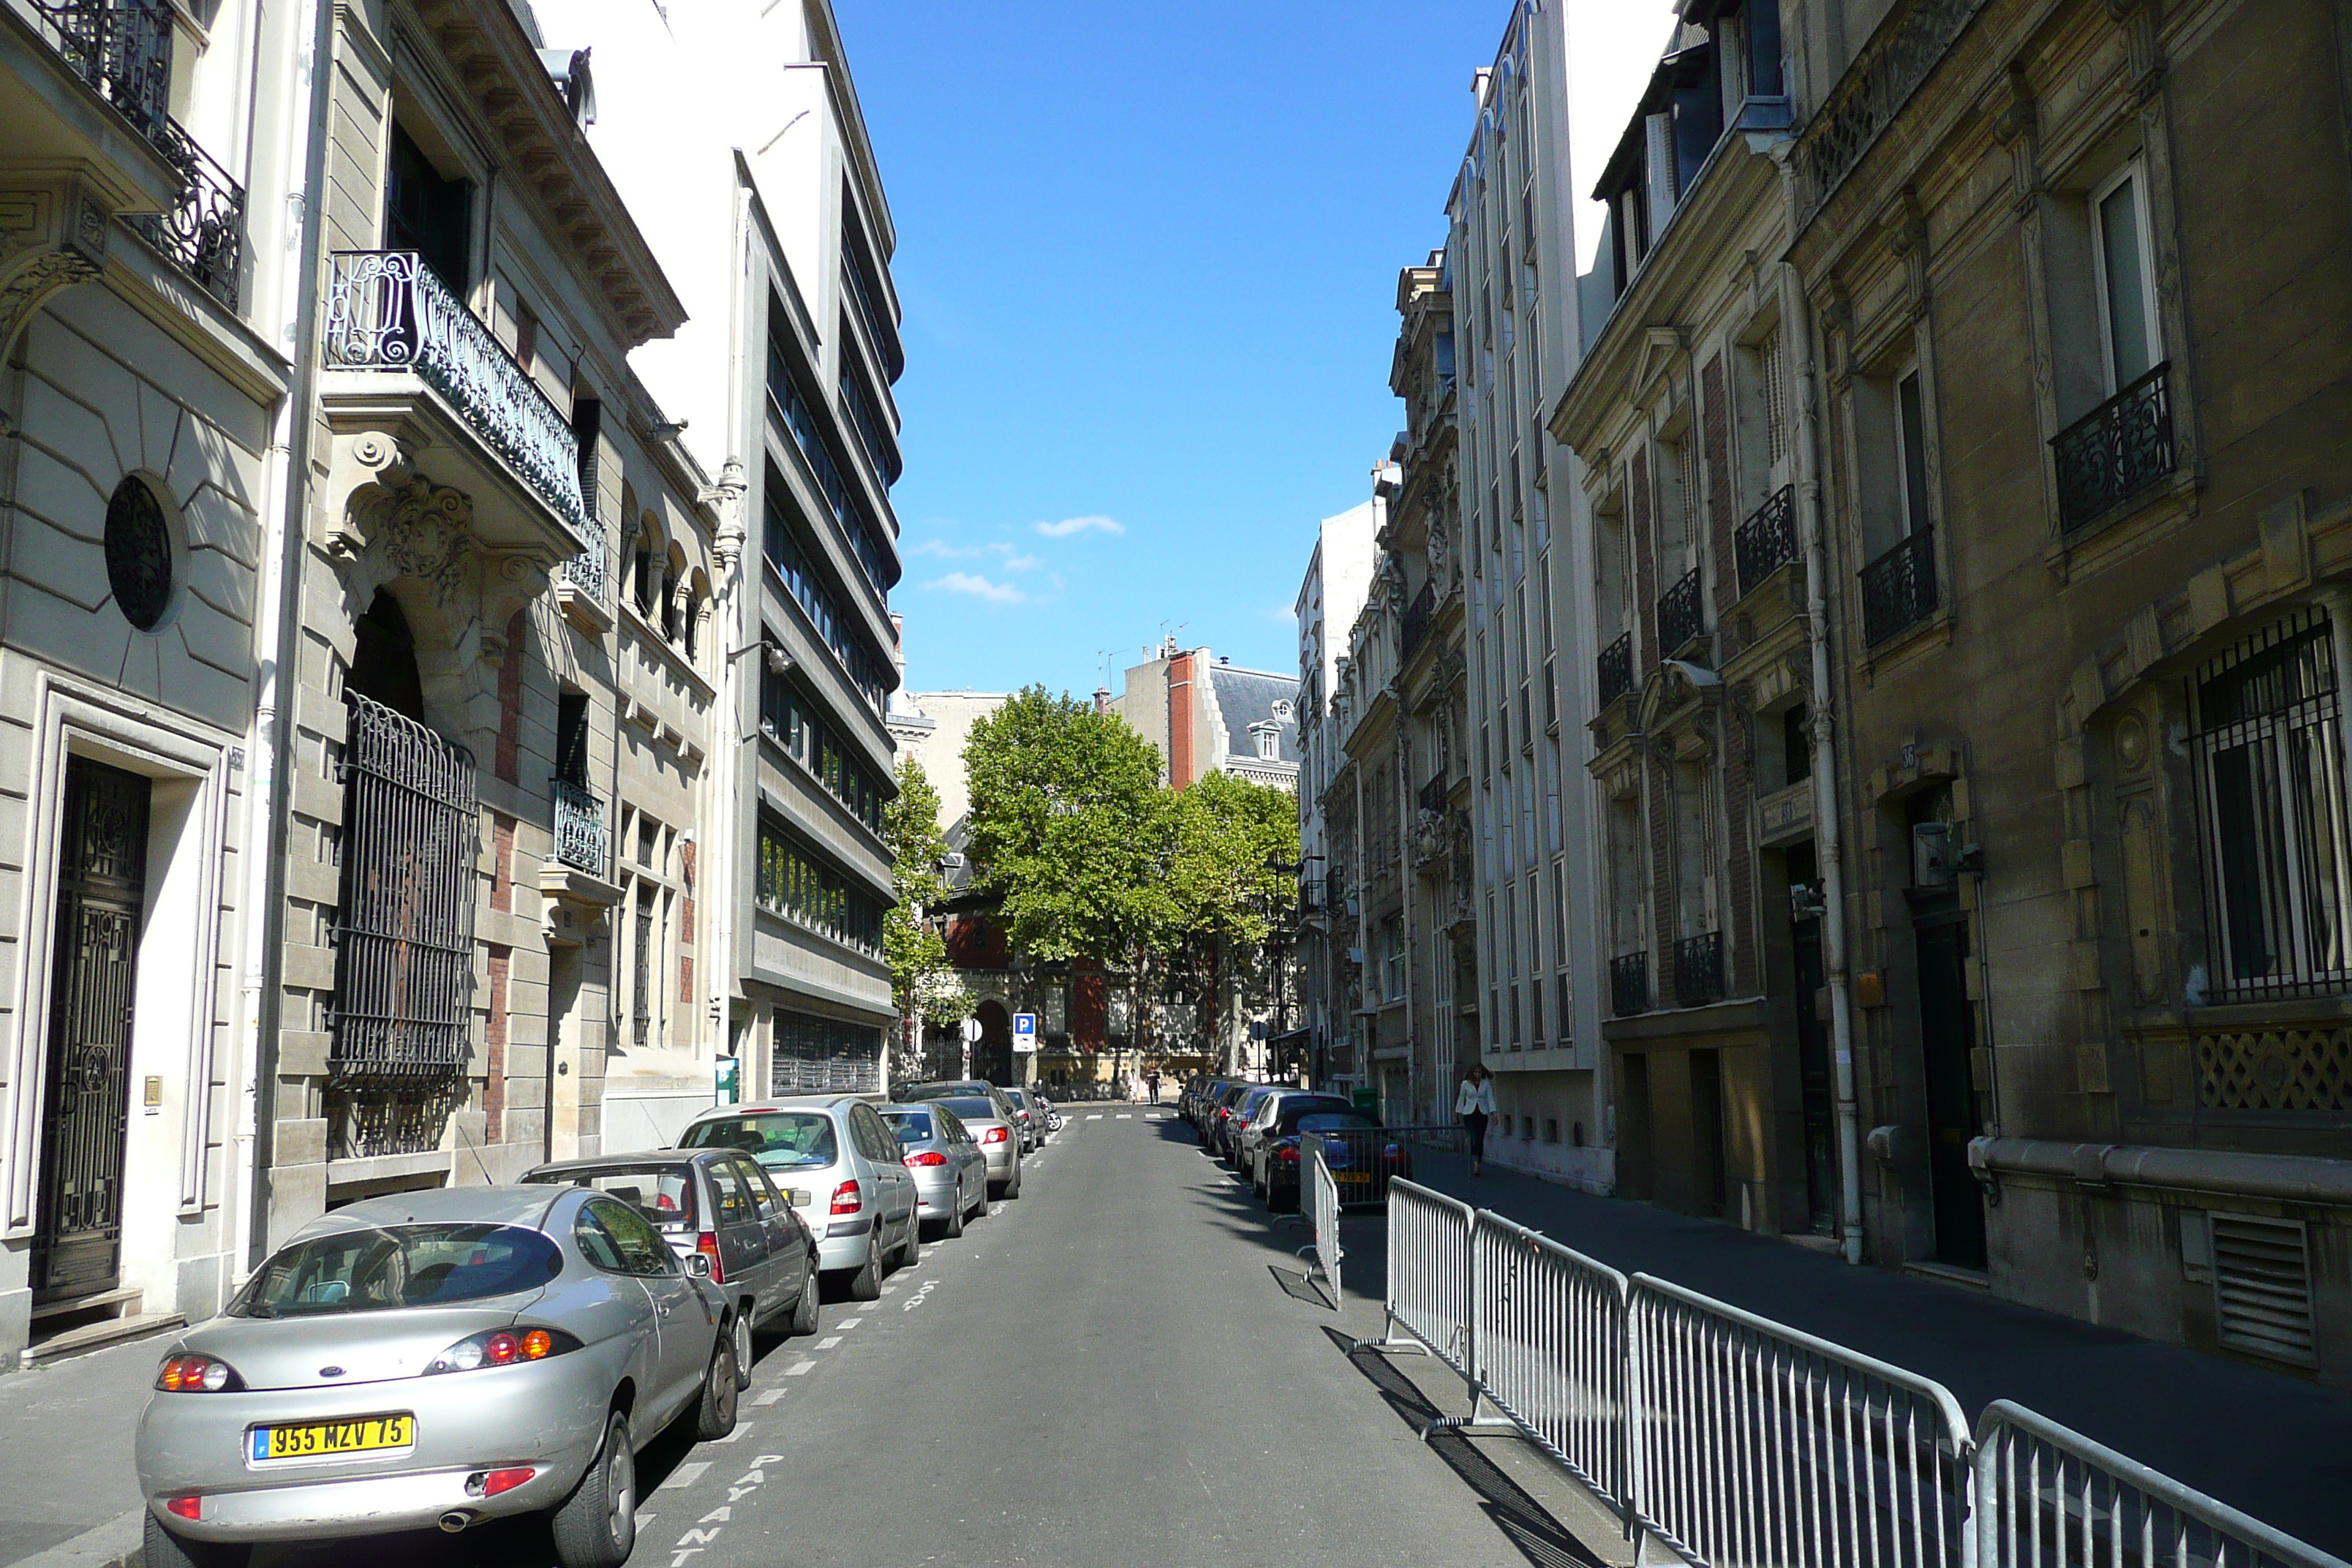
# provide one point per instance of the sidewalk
(2276, 1446)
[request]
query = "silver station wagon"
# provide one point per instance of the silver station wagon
(436, 1358)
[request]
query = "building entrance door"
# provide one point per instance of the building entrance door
(1945, 1032)
(101, 895)
(1817, 1088)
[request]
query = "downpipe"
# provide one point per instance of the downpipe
(1796, 318)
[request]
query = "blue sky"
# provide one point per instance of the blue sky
(1148, 259)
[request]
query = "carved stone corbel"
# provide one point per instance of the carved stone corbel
(52, 236)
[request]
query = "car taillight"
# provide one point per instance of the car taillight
(847, 1199)
(707, 1243)
(491, 1483)
(927, 1157)
(197, 1374)
(1288, 1151)
(994, 1135)
(187, 1506)
(501, 1347)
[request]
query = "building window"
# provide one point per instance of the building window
(138, 553)
(794, 884)
(1392, 956)
(1911, 446)
(2271, 791)
(2127, 325)
(426, 213)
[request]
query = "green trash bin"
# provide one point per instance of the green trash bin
(1367, 1100)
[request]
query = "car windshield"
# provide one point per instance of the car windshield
(911, 1126)
(385, 1267)
(1344, 1122)
(782, 1138)
(972, 1107)
(937, 1090)
(664, 1194)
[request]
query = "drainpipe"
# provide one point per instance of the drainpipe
(1828, 836)
(272, 790)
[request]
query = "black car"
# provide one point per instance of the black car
(1237, 1110)
(718, 1204)
(1362, 1154)
(1276, 1114)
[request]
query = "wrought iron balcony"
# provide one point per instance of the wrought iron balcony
(588, 571)
(1417, 616)
(1898, 589)
(1698, 970)
(1335, 891)
(386, 311)
(1767, 541)
(1629, 984)
(1433, 795)
(1680, 617)
(580, 834)
(2117, 450)
(123, 49)
(1616, 669)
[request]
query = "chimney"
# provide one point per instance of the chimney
(1102, 698)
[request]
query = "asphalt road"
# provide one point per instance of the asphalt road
(1111, 1373)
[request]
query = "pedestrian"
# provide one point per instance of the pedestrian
(1151, 1082)
(1474, 1102)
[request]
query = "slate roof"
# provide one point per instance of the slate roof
(1247, 697)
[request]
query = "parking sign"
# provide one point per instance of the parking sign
(1024, 1031)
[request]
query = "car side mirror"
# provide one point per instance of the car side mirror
(697, 1264)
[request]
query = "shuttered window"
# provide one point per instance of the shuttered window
(2261, 1282)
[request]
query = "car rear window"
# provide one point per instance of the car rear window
(1292, 1111)
(663, 1194)
(1345, 1121)
(780, 1139)
(972, 1107)
(385, 1267)
(911, 1126)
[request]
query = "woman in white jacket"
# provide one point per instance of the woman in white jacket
(1474, 1102)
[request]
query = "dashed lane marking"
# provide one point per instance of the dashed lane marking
(1123, 1116)
(1095, 1116)
(800, 1368)
(827, 1342)
(845, 1325)
(740, 1427)
(684, 1476)
(770, 1397)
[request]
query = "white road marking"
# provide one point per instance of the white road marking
(770, 1397)
(915, 1300)
(1123, 1116)
(740, 1427)
(800, 1368)
(845, 1325)
(827, 1342)
(890, 1289)
(684, 1476)
(1095, 1116)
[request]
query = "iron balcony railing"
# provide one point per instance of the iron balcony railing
(1767, 541)
(123, 49)
(1433, 796)
(1335, 891)
(1698, 970)
(1616, 669)
(1898, 589)
(2117, 450)
(1629, 984)
(387, 310)
(581, 840)
(1417, 616)
(591, 571)
(1679, 616)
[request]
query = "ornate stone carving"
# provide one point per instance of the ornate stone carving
(51, 237)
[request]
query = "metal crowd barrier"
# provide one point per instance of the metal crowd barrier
(1737, 1442)
(1322, 1206)
(2051, 1498)
(1753, 1443)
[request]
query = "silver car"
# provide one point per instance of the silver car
(1033, 1120)
(840, 1167)
(989, 1122)
(718, 1204)
(429, 1358)
(951, 1173)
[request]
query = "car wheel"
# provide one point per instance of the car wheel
(912, 1252)
(714, 1417)
(952, 1226)
(804, 1310)
(1012, 1187)
(743, 1348)
(596, 1526)
(165, 1550)
(865, 1285)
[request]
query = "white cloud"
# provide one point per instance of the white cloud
(1283, 615)
(979, 588)
(1022, 562)
(1070, 525)
(1006, 555)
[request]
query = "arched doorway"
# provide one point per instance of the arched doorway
(991, 1059)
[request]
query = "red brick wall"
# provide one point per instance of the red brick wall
(510, 700)
(1180, 720)
(686, 977)
(494, 1045)
(502, 837)
(1090, 1011)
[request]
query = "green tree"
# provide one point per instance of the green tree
(922, 982)
(1071, 830)
(1230, 836)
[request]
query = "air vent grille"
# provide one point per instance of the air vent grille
(2261, 1279)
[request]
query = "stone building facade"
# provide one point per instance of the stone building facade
(1338, 576)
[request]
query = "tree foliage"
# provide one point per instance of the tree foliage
(1229, 834)
(922, 982)
(1070, 828)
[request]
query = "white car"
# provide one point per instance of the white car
(840, 1167)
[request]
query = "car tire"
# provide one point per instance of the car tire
(866, 1284)
(596, 1526)
(165, 1550)
(742, 1348)
(804, 1310)
(952, 1226)
(714, 1414)
(1012, 1187)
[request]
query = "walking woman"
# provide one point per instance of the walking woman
(1474, 1102)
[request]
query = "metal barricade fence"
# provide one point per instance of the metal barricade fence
(1322, 1206)
(2050, 1498)
(1752, 1443)
(1551, 1339)
(1428, 1286)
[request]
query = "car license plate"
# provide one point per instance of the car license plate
(319, 1440)
(1350, 1178)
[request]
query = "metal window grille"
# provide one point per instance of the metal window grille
(641, 984)
(1698, 969)
(1616, 673)
(405, 939)
(824, 1056)
(1629, 984)
(1898, 589)
(1680, 618)
(1774, 371)
(1767, 541)
(2271, 791)
(2117, 450)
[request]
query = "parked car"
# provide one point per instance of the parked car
(989, 1122)
(840, 1167)
(1276, 1150)
(1271, 1112)
(950, 1171)
(1243, 1106)
(1362, 1155)
(1189, 1104)
(718, 1204)
(1217, 1107)
(932, 1090)
(1033, 1125)
(437, 1357)
(1006, 1111)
